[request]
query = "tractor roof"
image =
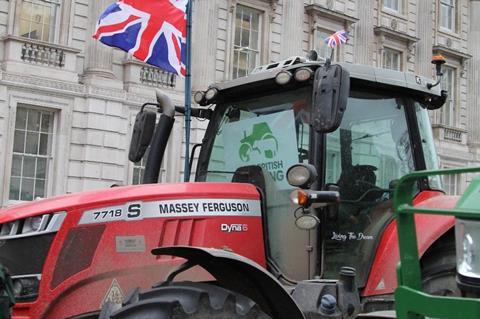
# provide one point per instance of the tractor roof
(370, 74)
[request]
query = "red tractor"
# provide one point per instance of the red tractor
(302, 227)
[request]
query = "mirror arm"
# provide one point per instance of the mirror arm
(195, 112)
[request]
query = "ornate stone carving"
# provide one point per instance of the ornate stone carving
(41, 83)
(394, 24)
(157, 77)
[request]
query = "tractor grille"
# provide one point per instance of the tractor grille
(24, 243)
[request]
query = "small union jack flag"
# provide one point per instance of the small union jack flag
(337, 38)
(153, 31)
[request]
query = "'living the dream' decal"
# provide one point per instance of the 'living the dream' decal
(172, 208)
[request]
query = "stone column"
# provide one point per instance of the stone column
(292, 29)
(473, 106)
(364, 37)
(423, 48)
(204, 42)
(99, 57)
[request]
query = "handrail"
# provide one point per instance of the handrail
(410, 301)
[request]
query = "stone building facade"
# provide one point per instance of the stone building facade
(67, 102)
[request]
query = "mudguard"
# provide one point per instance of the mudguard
(382, 279)
(241, 275)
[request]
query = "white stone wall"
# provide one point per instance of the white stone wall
(98, 92)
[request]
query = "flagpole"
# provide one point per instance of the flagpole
(188, 91)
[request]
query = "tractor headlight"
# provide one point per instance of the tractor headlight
(467, 237)
(25, 288)
(32, 224)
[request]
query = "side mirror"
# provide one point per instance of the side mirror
(142, 134)
(435, 102)
(331, 88)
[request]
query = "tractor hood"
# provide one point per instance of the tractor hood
(122, 195)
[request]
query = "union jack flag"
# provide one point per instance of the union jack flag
(337, 38)
(153, 31)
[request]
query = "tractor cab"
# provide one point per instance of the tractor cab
(360, 134)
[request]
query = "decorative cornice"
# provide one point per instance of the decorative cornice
(69, 88)
(332, 14)
(41, 83)
(395, 34)
(462, 56)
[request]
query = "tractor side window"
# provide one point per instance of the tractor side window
(366, 155)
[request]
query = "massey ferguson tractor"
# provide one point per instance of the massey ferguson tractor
(290, 215)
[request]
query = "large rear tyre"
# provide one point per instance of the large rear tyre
(439, 270)
(188, 301)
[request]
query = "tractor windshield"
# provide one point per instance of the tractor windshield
(271, 132)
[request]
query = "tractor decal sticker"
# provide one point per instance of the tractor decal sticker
(260, 141)
(172, 208)
(267, 140)
(130, 244)
(350, 236)
(114, 294)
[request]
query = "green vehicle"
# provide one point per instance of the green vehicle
(6, 294)
(410, 301)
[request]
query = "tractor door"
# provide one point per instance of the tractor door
(271, 133)
(365, 156)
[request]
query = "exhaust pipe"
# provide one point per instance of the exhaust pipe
(160, 138)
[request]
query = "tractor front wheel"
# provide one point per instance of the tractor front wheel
(439, 270)
(188, 301)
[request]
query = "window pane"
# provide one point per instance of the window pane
(21, 119)
(246, 40)
(31, 146)
(322, 47)
(38, 19)
(27, 189)
(19, 141)
(17, 165)
(392, 4)
(254, 40)
(29, 166)
(448, 111)
(41, 168)
(47, 123)
(39, 188)
(43, 150)
(33, 121)
(392, 59)
(14, 188)
(31, 151)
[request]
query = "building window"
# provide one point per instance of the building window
(394, 5)
(452, 184)
(321, 46)
(392, 59)
(246, 50)
(448, 111)
(447, 14)
(32, 153)
(39, 19)
(139, 168)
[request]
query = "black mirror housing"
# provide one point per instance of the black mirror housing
(436, 102)
(331, 88)
(141, 135)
